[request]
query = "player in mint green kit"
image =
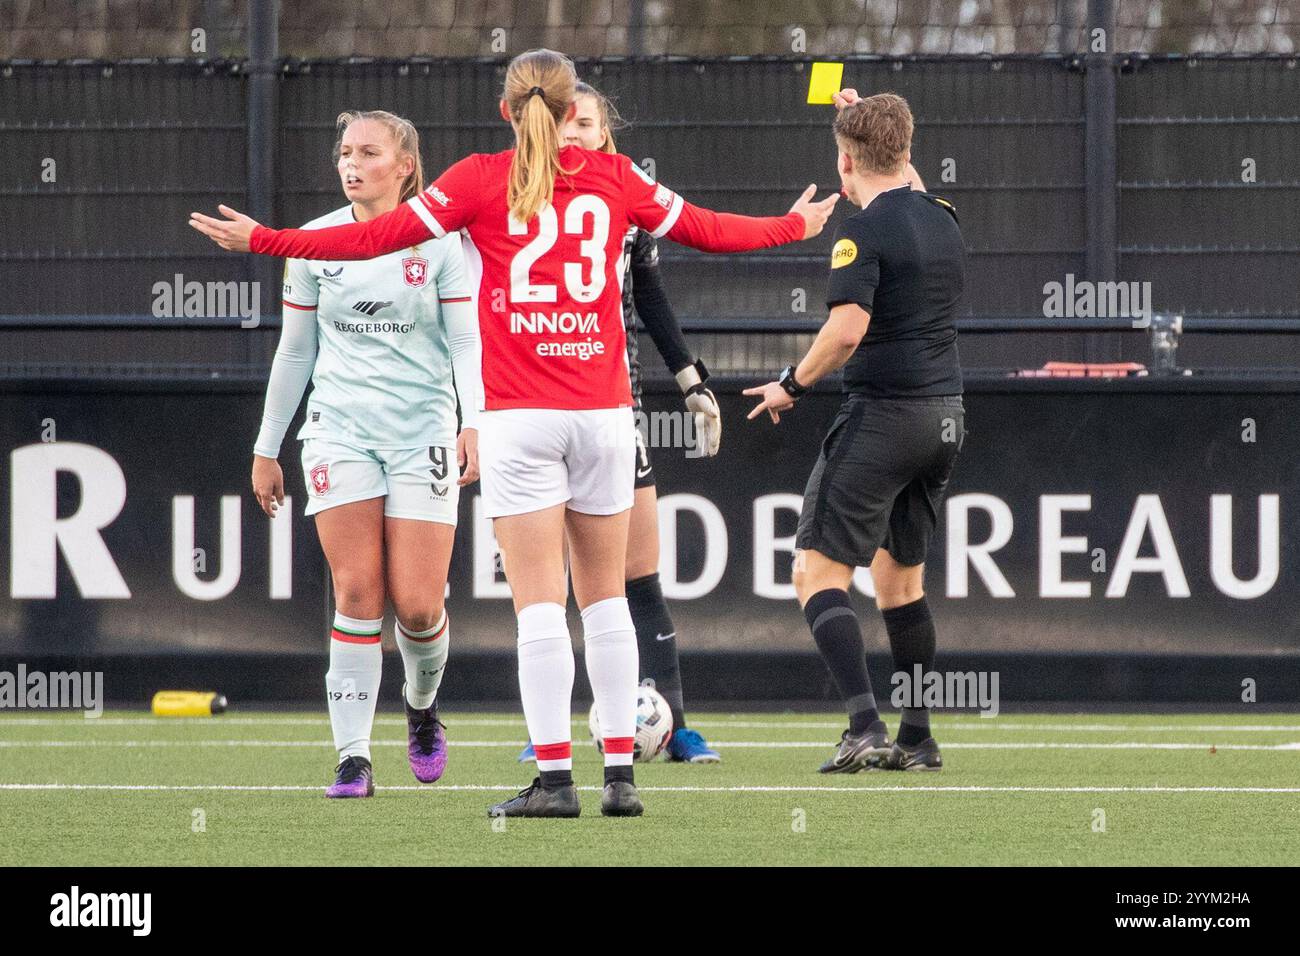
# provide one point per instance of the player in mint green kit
(382, 341)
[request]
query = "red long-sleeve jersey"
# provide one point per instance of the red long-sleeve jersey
(549, 290)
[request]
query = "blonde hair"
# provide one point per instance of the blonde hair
(609, 117)
(404, 135)
(538, 91)
(876, 132)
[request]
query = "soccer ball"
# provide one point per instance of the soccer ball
(654, 725)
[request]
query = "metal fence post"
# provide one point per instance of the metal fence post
(1100, 165)
(636, 28)
(263, 140)
(214, 24)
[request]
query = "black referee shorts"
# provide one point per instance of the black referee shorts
(880, 478)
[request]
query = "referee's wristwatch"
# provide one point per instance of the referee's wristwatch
(791, 385)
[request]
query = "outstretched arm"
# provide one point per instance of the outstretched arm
(661, 212)
(357, 240)
(447, 205)
(711, 231)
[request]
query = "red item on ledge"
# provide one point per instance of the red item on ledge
(1083, 370)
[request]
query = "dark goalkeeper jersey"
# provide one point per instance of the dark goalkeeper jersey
(901, 260)
(644, 297)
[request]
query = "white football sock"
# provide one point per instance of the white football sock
(424, 656)
(546, 683)
(352, 683)
(610, 639)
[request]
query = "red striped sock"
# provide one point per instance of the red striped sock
(611, 658)
(618, 751)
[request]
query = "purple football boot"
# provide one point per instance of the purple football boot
(427, 742)
(354, 779)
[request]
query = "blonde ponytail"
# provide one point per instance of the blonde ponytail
(539, 88)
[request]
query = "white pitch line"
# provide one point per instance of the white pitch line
(74, 720)
(723, 744)
(1125, 745)
(222, 720)
(484, 788)
(997, 724)
(325, 744)
(777, 723)
(994, 724)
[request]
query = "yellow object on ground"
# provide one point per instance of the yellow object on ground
(188, 703)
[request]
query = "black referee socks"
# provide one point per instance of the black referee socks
(911, 638)
(656, 642)
(839, 639)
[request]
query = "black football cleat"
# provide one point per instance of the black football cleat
(537, 801)
(858, 751)
(620, 799)
(924, 756)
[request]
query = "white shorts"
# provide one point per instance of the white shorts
(533, 458)
(416, 483)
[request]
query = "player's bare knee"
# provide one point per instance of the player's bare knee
(359, 605)
(812, 572)
(416, 616)
(358, 598)
(898, 596)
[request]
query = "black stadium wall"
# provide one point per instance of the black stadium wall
(1102, 540)
(140, 144)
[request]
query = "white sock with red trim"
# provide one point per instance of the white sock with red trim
(424, 656)
(546, 684)
(352, 683)
(610, 639)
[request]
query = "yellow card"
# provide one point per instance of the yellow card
(825, 82)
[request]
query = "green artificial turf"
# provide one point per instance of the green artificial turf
(764, 804)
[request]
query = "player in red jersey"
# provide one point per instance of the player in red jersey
(543, 226)
(646, 305)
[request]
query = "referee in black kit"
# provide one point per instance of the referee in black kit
(874, 495)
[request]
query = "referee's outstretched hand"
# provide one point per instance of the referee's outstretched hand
(232, 233)
(775, 400)
(814, 214)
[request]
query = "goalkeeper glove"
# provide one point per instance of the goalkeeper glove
(708, 417)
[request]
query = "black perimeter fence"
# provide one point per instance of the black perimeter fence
(1175, 171)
